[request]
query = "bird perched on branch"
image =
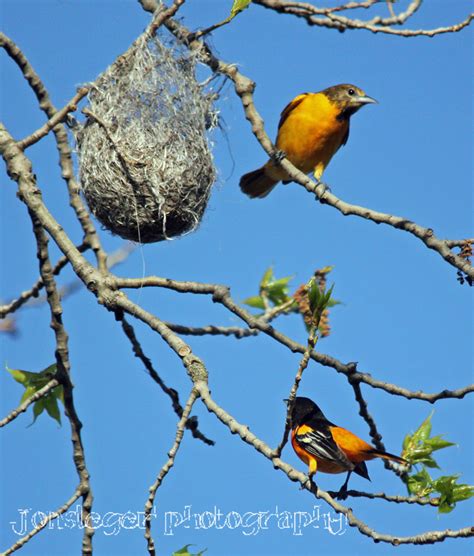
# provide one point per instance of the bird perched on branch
(311, 130)
(325, 447)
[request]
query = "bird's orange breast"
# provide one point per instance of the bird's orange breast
(311, 133)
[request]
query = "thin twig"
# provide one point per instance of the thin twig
(166, 468)
(64, 149)
(25, 296)
(191, 424)
(333, 20)
(50, 517)
(424, 501)
(63, 377)
(58, 118)
(312, 340)
(220, 294)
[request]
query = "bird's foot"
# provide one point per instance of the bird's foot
(342, 494)
(278, 156)
(320, 190)
(310, 485)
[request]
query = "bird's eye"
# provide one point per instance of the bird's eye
(351, 92)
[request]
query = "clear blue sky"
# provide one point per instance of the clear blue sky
(405, 318)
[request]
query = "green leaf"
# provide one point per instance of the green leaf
(438, 443)
(255, 301)
(424, 430)
(406, 442)
(38, 408)
(413, 442)
(185, 551)
(33, 382)
(277, 290)
(445, 506)
(429, 462)
(23, 377)
(29, 391)
(266, 278)
(420, 483)
(314, 295)
(238, 6)
(51, 406)
(462, 492)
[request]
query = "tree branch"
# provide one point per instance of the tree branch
(333, 20)
(63, 147)
(192, 423)
(166, 468)
(50, 517)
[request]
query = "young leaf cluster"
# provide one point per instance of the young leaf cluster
(418, 449)
(32, 382)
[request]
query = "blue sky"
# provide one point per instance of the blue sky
(405, 318)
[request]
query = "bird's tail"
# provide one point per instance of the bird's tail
(257, 183)
(386, 455)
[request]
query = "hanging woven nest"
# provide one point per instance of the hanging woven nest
(145, 166)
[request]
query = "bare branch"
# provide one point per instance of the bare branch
(220, 294)
(332, 20)
(63, 377)
(212, 330)
(63, 146)
(58, 118)
(312, 340)
(192, 423)
(166, 468)
(388, 498)
(50, 517)
(37, 287)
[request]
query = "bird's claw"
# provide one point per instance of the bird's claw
(278, 156)
(342, 494)
(310, 485)
(321, 190)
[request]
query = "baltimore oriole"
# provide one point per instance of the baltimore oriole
(312, 127)
(328, 448)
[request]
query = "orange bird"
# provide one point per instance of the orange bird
(324, 446)
(311, 130)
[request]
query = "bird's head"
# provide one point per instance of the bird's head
(303, 410)
(348, 98)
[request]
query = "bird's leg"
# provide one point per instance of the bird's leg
(310, 484)
(342, 494)
(321, 187)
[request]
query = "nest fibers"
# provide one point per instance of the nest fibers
(144, 161)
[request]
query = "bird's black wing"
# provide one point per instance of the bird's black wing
(320, 444)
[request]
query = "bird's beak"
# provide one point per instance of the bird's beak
(363, 99)
(286, 400)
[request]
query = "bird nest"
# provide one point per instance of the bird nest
(145, 166)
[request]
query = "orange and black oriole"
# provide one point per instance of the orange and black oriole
(325, 447)
(311, 130)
